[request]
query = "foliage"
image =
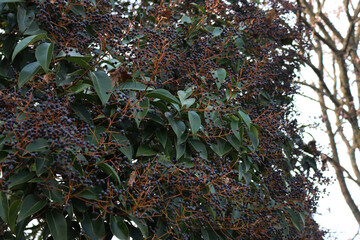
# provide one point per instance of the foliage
(163, 120)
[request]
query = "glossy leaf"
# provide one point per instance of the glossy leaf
(31, 205)
(180, 150)
(163, 95)
(110, 171)
(13, 213)
(144, 150)
(38, 145)
(20, 178)
(119, 228)
(217, 32)
(185, 19)
(199, 147)
(221, 147)
(142, 226)
(125, 146)
(134, 85)
(188, 102)
(220, 74)
(4, 207)
(295, 219)
(26, 42)
(162, 137)
(28, 72)
(102, 84)
(183, 95)
(254, 136)
(94, 228)
(195, 121)
(178, 127)
(83, 113)
(57, 225)
(141, 110)
(245, 118)
(24, 18)
(43, 54)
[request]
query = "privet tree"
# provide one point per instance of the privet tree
(337, 67)
(161, 120)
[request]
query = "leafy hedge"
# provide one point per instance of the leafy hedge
(155, 120)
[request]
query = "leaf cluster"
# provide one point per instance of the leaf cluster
(150, 120)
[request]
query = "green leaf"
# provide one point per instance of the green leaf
(234, 142)
(141, 224)
(74, 56)
(178, 127)
(162, 136)
(102, 84)
(142, 110)
(183, 95)
(239, 42)
(110, 171)
(295, 219)
(20, 178)
(199, 147)
(145, 151)
(134, 85)
(31, 205)
(39, 165)
(220, 74)
(38, 145)
(54, 193)
(180, 150)
(240, 171)
(221, 147)
(248, 177)
(95, 229)
(125, 146)
(79, 10)
(57, 225)
(119, 228)
(13, 213)
(216, 32)
(27, 73)
(209, 234)
(182, 138)
(4, 207)
(88, 194)
(235, 128)
(185, 19)
(195, 121)
(163, 95)
(43, 54)
(83, 113)
(188, 102)
(254, 136)
(24, 18)
(245, 118)
(26, 42)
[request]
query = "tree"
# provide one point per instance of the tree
(337, 68)
(162, 120)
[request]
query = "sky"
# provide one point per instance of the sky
(333, 212)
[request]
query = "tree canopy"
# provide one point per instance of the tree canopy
(152, 120)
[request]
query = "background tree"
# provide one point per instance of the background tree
(337, 67)
(164, 120)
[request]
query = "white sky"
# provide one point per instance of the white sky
(333, 212)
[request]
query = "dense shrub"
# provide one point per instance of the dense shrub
(156, 120)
